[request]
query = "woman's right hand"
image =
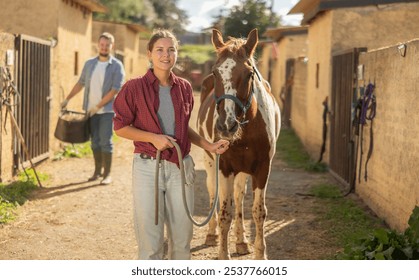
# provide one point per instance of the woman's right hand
(162, 142)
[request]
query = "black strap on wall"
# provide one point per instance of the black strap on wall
(325, 112)
(367, 113)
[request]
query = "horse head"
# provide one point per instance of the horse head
(234, 73)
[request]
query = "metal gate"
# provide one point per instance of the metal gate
(344, 83)
(32, 113)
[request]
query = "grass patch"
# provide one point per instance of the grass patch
(344, 219)
(326, 191)
(79, 150)
(387, 244)
(17, 193)
(198, 53)
(292, 152)
(74, 151)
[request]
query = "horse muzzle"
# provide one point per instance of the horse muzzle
(229, 129)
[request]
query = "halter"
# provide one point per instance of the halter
(243, 107)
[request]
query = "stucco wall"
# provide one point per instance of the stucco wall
(7, 42)
(142, 64)
(343, 29)
(132, 52)
(74, 30)
(36, 17)
(299, 103)
(374, 26)
(71, 26)
(263, 60)
(392, 189)
(292, 46)
(319, 57)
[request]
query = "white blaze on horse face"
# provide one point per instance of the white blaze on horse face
(226, 73)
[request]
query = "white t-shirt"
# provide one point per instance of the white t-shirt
(96, 83)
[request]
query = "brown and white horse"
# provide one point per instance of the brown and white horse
(236, 104)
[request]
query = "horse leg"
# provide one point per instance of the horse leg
(225, 216)
(212, 236)
(259, 213)
(242, 245)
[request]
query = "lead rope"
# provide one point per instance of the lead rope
(182, 173)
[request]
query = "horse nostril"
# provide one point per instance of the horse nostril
(219, 126)
(234, 127)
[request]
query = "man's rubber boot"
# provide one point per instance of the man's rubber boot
(107, 163)
(97, 155)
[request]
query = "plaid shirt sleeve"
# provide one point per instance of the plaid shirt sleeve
(124, 107)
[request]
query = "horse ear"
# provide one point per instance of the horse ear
(252, 41)
(217, 39)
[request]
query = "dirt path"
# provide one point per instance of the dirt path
(74, 219)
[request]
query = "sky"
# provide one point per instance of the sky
(201, 12)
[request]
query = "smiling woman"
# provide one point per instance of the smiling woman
(154, 111)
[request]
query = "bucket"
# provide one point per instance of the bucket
(72, 127)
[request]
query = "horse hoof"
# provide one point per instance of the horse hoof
(224, 257)
(261, 257)
(243, 248)
(211, 240)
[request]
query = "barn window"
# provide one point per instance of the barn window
(76, 63)
(317, 74)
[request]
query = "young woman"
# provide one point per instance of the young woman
(154, 110)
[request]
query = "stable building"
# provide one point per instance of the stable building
(53, 39)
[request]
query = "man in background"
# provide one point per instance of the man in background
(102, 77)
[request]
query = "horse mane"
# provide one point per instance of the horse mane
(233, 45)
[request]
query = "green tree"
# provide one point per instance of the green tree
(247, 15)
(128, 11)
(169, 15)
(150, 13)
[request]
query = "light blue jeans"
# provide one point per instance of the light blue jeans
(101, 129)
(150, 237)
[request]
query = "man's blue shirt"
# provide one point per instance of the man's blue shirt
(114, 78)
